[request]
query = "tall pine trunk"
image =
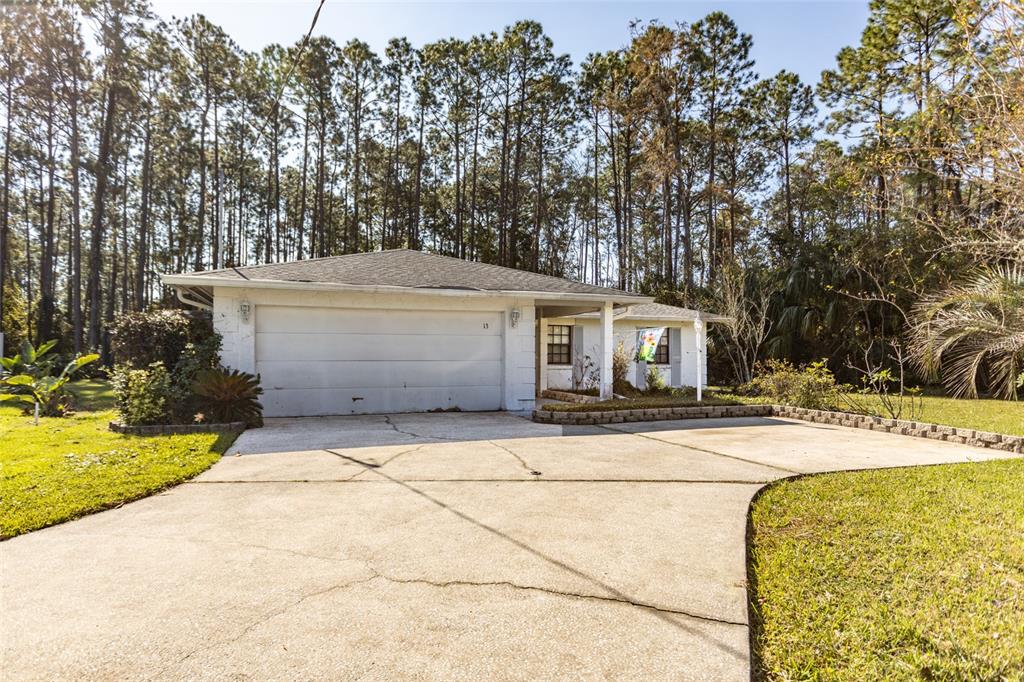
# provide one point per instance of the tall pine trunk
(76, 218)
(144, 217)
(6, 209)
(98, 222)
(47, 293)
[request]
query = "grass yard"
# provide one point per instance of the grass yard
(66, 468)
(92, 395)
(900, 574)
(999, 416)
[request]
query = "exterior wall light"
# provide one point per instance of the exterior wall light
(244, 308)
(514, 317)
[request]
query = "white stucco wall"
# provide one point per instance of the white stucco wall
(560, 376)
(518, 343)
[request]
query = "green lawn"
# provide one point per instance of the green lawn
(65, 468)
(92, 395)
(999, 416)
(900, 574)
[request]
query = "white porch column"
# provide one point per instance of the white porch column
(542, 356)
(607, 339)
(702, 346)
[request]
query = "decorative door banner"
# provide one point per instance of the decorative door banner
(647, 343)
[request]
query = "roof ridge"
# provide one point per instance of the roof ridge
(506, 267)
(235, 268)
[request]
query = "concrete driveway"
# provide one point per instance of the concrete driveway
(454, 546)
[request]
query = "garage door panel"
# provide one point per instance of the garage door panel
(315, 402)
(401, 374)
(377, 322)
(362, 347)
(322, 361)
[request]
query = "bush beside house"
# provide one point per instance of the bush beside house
(811, 386)
(168, 372)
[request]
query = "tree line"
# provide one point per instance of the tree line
(815, 213)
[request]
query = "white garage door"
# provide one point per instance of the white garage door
(320, 361)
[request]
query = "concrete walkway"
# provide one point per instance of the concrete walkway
(448, 546)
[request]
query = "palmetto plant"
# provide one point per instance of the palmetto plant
(229, 396)
(973, 333)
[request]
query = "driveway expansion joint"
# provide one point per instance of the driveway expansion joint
(353, 479)
(698, 449)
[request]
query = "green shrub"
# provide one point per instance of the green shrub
(812, 386)
(229, 396)
(654, 381)
(139, 339)
(144, 396)
(159, 355)
(195, 358)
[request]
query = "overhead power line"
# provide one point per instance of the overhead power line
(288, 75)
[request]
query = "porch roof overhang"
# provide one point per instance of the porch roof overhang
(644, 311)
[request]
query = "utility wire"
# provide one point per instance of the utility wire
(288, 76)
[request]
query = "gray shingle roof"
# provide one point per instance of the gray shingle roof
(407, 268)
(664, 312)
(660, 311)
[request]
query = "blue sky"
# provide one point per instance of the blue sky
(799, 36)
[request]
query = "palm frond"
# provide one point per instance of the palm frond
(972, 334)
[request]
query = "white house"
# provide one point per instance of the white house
(407, 331)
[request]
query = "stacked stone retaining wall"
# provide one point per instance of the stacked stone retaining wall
(649, 414)
(569, 396)
(905, 427)
(175, 429)
(902, 427)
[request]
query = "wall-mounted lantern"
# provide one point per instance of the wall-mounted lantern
(244, 308)
(514, 317)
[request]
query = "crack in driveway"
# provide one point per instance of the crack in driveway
(387, 420)
(375, 574)
(522, 462)
(561, 593)
(369, 465)
(617, 595)
(261, 620)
